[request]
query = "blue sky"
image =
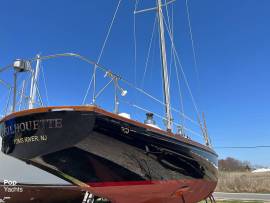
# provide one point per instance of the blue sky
(232, 46)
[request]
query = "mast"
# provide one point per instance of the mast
(33, 88)
(166, 85)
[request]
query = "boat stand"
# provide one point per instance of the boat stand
(88, 198)
(211, 198)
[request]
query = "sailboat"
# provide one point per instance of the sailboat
(109, 154)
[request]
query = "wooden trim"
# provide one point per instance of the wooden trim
(46, 109)
(106, 113)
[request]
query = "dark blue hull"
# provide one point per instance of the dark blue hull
(92, 148)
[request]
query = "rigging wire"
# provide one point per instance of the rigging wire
(131, 85)
(8, 100)
(100, 55)
(135, 42)
(192, 42)
(149, 51)
(242, 147)
(26, 98)
(5, 68)
(104, 88)
(159, 116)
(3, 100)
(103, 69)
(94, 77)
(5, 83)
(187, 84)
(170, 28)
(135, 50)
(8, 86)
(160, 58)
(90, 84)
(45, 84)
(38, 92)
(39, 97)
(172, 31)
(179, 90)
(183, 73)
(22, 94)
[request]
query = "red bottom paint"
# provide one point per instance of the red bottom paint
(171, 191)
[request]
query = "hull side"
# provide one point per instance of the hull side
(112, 158)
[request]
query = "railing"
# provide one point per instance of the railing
(105, 84)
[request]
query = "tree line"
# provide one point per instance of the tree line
(231, 164)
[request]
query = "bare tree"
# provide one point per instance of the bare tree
(231, 164)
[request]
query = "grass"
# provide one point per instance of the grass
(243, 182)
(235, 201)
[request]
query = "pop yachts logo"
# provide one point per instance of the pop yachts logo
(11, 186)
